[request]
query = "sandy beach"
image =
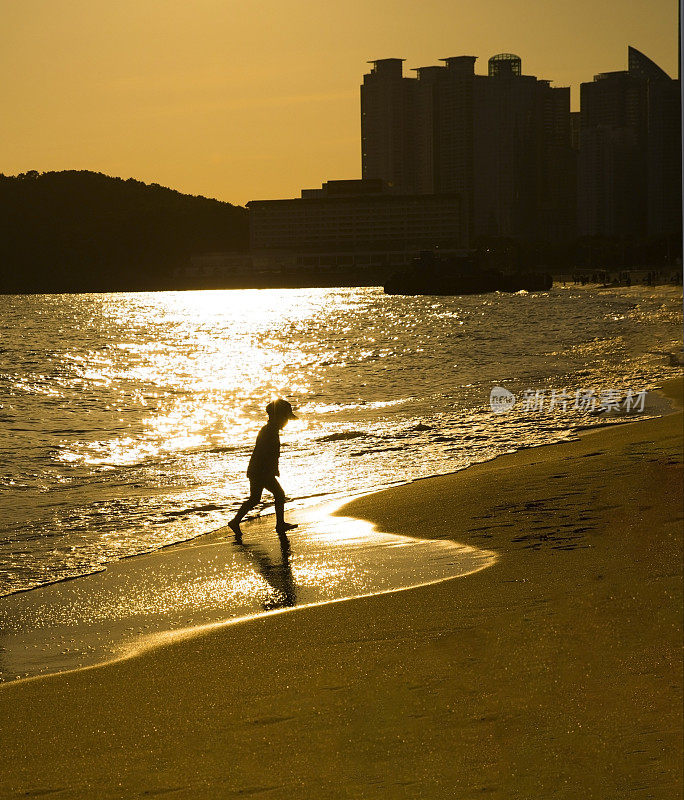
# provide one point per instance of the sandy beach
(554, 673)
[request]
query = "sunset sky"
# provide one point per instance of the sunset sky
(248, 100)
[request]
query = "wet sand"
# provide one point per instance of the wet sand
(214, 580)
(554, 673)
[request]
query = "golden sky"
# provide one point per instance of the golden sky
(248, 100)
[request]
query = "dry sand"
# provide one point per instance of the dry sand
(555, 673)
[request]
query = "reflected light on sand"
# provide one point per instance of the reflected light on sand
(214, 581)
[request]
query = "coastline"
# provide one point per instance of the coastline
(657, 404)
(486, 684)
(124, 489)
(148, 599)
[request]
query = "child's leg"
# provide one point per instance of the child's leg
(255, 491)
(276, 490)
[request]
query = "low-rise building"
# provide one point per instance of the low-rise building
(354, 225)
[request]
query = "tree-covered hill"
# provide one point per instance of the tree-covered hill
(85, 231)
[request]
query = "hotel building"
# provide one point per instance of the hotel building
(350, 224)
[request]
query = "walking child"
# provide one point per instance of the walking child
(263, 469)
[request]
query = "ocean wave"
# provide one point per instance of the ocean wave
(341, 436)
(372, 450)
(194, 510)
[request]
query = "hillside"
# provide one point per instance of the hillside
(85, 231)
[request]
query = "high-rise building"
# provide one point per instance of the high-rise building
(502, 141)
(629, 173)
(388, 125)
(523, 163)
(664, 158)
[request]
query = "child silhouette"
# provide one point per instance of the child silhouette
(263, 469)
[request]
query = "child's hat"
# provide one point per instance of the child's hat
(281, 409)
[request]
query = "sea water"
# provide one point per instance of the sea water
(128, 419)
